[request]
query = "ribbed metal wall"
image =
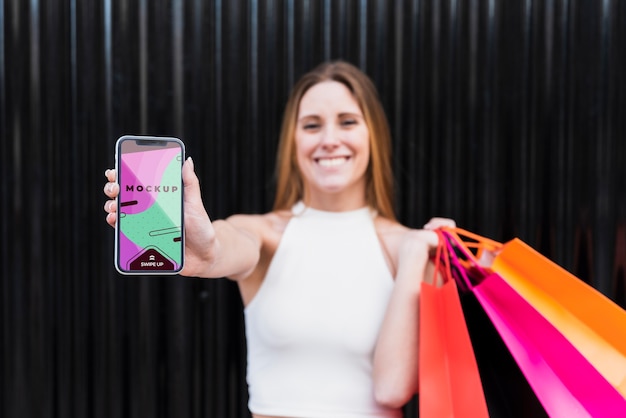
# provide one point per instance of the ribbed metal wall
(508, 116)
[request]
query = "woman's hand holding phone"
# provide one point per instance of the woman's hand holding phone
(199, 232)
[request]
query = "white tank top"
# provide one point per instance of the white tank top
(312, 327)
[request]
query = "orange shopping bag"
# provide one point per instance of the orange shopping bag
(594, 324)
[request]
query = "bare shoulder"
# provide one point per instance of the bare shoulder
(268, 230)
(390, 231)
(397, 237)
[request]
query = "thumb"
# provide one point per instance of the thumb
(190, 182)
(194, 208)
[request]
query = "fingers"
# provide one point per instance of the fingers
(110, 206)
(110, 174)
(111, 189)
(111, 218)
(430, 238)
(436, 223)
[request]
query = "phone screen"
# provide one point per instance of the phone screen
(149, 228)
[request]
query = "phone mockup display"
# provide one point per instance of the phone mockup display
(149, 233)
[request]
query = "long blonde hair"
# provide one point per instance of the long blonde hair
(379, 174)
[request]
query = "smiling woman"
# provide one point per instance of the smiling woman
(332, 142)
(331, 236)
(363, 109)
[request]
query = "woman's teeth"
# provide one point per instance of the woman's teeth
(332, 162)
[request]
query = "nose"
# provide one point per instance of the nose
(329, 136)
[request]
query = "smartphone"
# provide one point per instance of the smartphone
(149, 233)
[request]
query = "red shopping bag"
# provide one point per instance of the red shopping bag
(450, 384)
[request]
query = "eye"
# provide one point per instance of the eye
(310, 126)
(348, 122)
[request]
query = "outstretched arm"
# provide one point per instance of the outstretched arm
(223, 248)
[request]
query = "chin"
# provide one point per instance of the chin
(333, 188)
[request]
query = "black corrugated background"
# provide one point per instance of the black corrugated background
(508, 116)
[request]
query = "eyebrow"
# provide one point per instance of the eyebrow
(342, 114)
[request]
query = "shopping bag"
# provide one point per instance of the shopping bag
(564, 381)
(593, 323)
(450, 384)
(507, 392)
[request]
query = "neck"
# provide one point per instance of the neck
(335, 202)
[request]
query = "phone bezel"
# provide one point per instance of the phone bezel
(147, 140)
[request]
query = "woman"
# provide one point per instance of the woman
(329, 279)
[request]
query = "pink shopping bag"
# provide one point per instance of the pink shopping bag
(564, 381)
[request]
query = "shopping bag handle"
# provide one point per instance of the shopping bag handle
(480, 241)
(442, 260)
(464, 281)
(452, 237)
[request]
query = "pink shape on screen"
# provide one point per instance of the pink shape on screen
(149, 167)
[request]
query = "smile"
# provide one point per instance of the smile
(332, 162)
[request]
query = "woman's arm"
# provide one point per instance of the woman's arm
(396, 357)
(223, 248)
